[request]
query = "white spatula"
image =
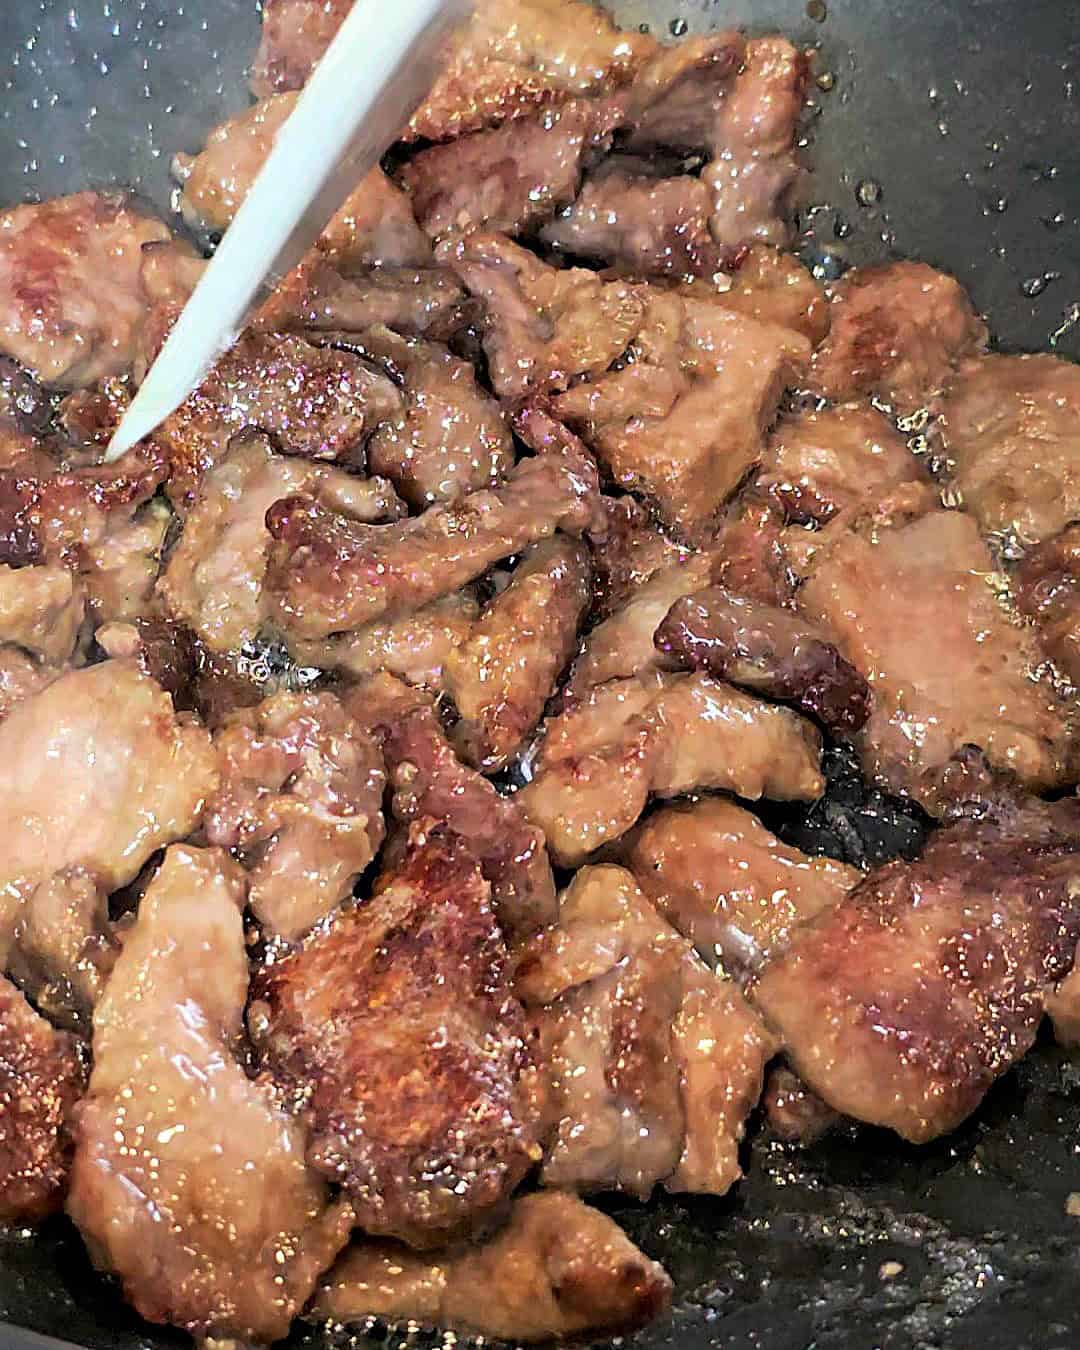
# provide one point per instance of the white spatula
(374, 75)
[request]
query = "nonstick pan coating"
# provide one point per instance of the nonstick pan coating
(965, 115)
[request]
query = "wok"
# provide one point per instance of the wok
(960, 122)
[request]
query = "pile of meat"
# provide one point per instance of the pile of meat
(378, 876)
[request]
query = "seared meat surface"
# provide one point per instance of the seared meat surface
(600, 760)
(1009, 427)
(898, 332)
(725, 882)
(189, 1182)
(1048, 591)
(901, 1004)
(653, 1062)
(42, 1077)
(396, 1034)
(556, 1268)
(946, 667)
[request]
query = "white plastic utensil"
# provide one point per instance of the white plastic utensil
(372, 78)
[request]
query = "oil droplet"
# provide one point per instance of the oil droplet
(867, 192)
(1036, 285)
(678, 28)
(1055, 221)
(644, 28)
(816, 10)
(826, 80)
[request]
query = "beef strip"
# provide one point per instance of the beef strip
(103, 735)
(189, 1182)
(685, 419)
(375, 225)
(73, 294)
(770, 650)
(50, 512)
(215, 578)
(677, 97)
(300, 802)
(948, 668)
(502, 677)
(622, 644)
(627, 549)
(511, 178)
(429, 781)
(315, 402)
(903, 1003)
(42, 1077)
(599, 762)
(330, 309)
(41, 610)
(329, 574)
(898, 331)
(640, 225)
(1048, 591)
(449, 437)
(1009, 425)
(792, 1112)
(397, 1035)
(414, 647)
(728, 884)
(771, 286)
(544, 327)
(653, 1062)
(558, 1268)
(513, 57)
(753, 171)
(63, 946)
(820, 463)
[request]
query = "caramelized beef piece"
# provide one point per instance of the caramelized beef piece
(512, 178)
(64, 947)
(449, 437)
(653, 1062)
(599, 762)
(677, 97)
(167, 652)
(792, 1111)
(430, 782)
(41, 609)
(42, 1077)
(716, 873)
(215, 578)
(627, 549)
(300, 802)
(767, 649)
(903, 1003)
(106, 734)
(1009, 425)
(820, 463)
(314, 402)
(414, 647)
(502, 677)
(771, 286)
(622, 644)
(375, 225)
(947, 667)
(513, 56)
(558, 1268)
(73, 295)
(897, 333)
(50, 513)
(543, 327)
(753, 170)
(640, 225)
(189, 1182)
(1048, 591)
(330, 310)
(397, 1032)
(329, 574)
(685, 420)
(1063, 1006)
(119, 573)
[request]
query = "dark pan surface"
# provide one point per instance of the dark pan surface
(964, 113)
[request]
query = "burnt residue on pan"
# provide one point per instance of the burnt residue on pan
(949, 132)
